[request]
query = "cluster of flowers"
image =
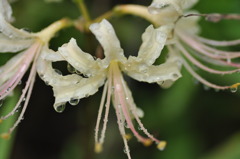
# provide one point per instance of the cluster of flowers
(170, 28)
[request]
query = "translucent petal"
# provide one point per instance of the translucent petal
(6, 10)
(13, 45)
(168, 71)
(12, 32)
(85, 88)
(153, 43)
(80, 60)
(178, 6)
(50, 55)
(106, 35)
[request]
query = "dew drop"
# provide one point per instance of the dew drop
(58, 71)
(60, 107)
(70, 68)
(74, 101)
(126, 150)
(139, 128)
(20, 82)
(233, 89)
(1, 103)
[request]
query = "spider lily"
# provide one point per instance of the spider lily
(28, 48)
(108, 72)
(184, 41)
(196, 50)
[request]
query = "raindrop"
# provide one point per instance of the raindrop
(70, 68)
(74, 101)
(233, 89)
(20, 82)
(1, 103)
(60, 107)
(139, 128)
(126, 150)
(58, 71)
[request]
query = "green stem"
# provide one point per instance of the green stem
(83, 10)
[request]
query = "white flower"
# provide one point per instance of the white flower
(97, 72)
(185, 38)
(28, 47)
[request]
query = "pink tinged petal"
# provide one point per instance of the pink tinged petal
(106, 35)
(80, 60)
(7, 87)
(13, 45)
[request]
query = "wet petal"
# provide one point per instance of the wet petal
(12, 32)
(85, 88)
(153, 43)
(166, 72)
(80, 60)
(51, 77)
(13, 45)
(178, 6)
(106, 35)
(50, 55)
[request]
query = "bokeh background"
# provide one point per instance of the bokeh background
(197, 123)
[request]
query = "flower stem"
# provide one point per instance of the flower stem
(83, 9)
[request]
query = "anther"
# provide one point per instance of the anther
(5, 136)
(147, 142)
(161, 145)
(98, 148)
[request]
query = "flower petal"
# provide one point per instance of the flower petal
(106, 35)
(51, 77)
(50, 55)
(85, 88)
(12, 32)
(13, 45)
(153, 43)
(80, 60)
(178, 6)
(6, 10)
(167, 72)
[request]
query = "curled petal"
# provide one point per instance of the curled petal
(106, 35)
(50, 55)
(53, 78)
(178, 6)
(80, 60)
(153, 43)
(85, 88)
(13, 45)
(167, 72)
(12, 32)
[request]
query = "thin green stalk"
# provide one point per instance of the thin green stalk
(7, 144)
(83, 10)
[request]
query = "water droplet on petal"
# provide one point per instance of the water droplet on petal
(1, 103)
(233, 89)
(60, 107)
(58, 71)
(70, 68)
(74, 101)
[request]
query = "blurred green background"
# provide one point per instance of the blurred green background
(196, 123)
